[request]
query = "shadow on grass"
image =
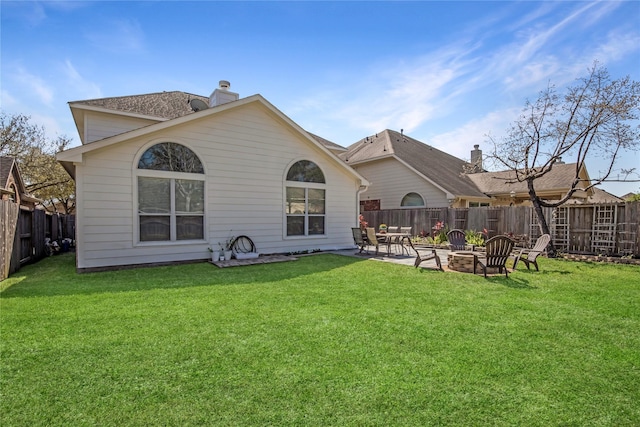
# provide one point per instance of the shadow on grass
(511, 282)
(57, 276)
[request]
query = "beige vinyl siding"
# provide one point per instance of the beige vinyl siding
(99, 125)
(391, 180)
(246, 153)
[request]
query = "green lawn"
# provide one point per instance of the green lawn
(323, 341)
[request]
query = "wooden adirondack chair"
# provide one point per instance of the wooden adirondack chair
(457, 240)
(420, 257)
(498, 249)
(529, 256)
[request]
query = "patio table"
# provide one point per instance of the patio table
(390, 238)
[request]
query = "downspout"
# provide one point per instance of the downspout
(361, 189)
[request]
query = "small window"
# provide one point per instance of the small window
(478, 204)
(412, 200)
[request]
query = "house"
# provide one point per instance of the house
(505, 190)
(405, 174)
(162, 177)
(12, 187)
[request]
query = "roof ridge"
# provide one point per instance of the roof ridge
(137, 96)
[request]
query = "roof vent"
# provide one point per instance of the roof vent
(222, 94)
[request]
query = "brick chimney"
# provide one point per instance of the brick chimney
(222, 95)
(476, 159)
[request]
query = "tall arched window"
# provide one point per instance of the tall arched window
(170, 194)
(305, 204)
(412, 200)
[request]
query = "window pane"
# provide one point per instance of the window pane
(189, 196)
(316, 201)
(295, 226)
(154, 195)
(305, 171)
(169, 156)
(412, 199)
(189, 227)
(295, 201)
(154, 228)
(316, 225)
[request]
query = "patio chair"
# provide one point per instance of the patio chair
(372, 239)
(420, 257)
(497, 251)
(457, 240)
(529, 256)
(358, 239)
(392, 229)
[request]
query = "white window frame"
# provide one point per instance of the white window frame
(306, 215)
(172, 176)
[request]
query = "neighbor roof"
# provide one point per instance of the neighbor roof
(444, 170)
(6, 164)
(493, 183)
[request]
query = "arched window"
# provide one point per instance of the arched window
(412, 200)
(170, 194)
(305, 204)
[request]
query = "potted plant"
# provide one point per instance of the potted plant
(215, 255)
(227, 248)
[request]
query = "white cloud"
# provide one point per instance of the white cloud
(78, 85)
(460, 141)
(33, 86)
(121, 36)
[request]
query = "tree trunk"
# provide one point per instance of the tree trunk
(542, 221)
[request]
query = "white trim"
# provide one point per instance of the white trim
(75, 154)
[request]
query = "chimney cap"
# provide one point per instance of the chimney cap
(476, 146)
(224, 84)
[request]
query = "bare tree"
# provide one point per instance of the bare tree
(596, 117)
(44, 177)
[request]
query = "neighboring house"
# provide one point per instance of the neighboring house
(552, 186)
(11, 185)
(406, 173)
(162, 177)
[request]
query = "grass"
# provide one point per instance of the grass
(323, 341)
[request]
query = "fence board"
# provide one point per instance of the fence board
(572, 225)
(23, 234)
(8, 223)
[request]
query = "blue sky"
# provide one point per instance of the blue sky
(448, 73)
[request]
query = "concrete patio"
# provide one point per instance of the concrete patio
(403, 259)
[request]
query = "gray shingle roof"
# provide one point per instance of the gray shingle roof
(330, 145)
(166, 105)
(559, 178)
(6, 163)
(444, 169)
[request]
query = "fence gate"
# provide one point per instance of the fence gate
(603, 236)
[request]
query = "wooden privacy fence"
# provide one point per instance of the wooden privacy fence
(609, 229)
(23, 234)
